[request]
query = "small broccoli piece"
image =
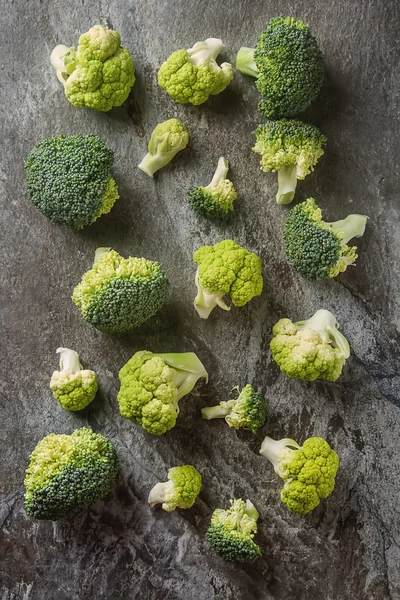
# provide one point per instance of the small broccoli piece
(180, 491)
(316, 249)
(290, 147)
(231, 532)
(68, 473)
(225, 268)
(193, 75)
(288, 67)
(153, 384)
(100, 74)
(214, 201)
(308, 472)
(73, 387)
(311, 349)
(119, 293)
(167, 139)
(68, 179)
(248, 410)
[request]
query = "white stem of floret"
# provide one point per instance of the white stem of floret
(157, 493)
(214, 412)
(99, 253)
(245, 62)
(63, 60)
(350, 227)
(207, 50)
(251, 510)
(205, 302)
(69, 360)
(271, 449)
(187, 369)
(220, 173)
(325, 324)
(287, 182)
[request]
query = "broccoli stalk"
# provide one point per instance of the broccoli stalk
(220, 173)
(350, 227)
(69, 361)
(159, 492)
(287, 182)
(63, 60)
(180, 491)
(215, 412)
(207, 50)
(214, 201)
(205, 302)
(245, 62)
(325, 324)
(186, 369)
(271, 450)
(73, 386)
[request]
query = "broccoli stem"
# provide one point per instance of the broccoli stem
(153, 162)
(220, 173)
(187, 369)
(207, 50)
(272, 448)
(214, 412)
(325, 324)
(251, 510)
(157, 493)
(69, 360)
(63, 60)
(287, 182)
(245, 62)
(350, 227)
(99, 253)
(205, 302)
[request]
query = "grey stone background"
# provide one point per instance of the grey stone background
(349, 546)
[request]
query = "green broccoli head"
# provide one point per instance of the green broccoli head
(193, 75)
(68, 473)
(287, 63)
(100, 74)
(316, 249)
(167, 139)
(119, 293)
(290, 147)
(180, 491)
(308, 472)
(247, 411)
(231, 532)
(153, 384)
(68, 179)
(311, 349)
(214, 201)
(225, 268)
(73, 387)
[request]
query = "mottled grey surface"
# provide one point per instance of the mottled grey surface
(349, 547)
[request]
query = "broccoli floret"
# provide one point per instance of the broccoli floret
(153, 384)
(311, 349)
(193, 75)
(68, 179)
(167, 139)
(214, 201)
(231, 532)
(248, 410)
(287, 63)
(73, 387)
(317, 249)
(68, 473)
(180, 491)
(290, 147)
(119, 293)
(308, 472)
(100, 74)
(225, 268)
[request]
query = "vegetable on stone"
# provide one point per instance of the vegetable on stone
(100, 74)
(73, 387)
(290, 147)
(317, 249)
(180, 491)
(231, 532)
(69, 473)
(310, 349)
(193, 75)
(118, 293)
(225, 269)
(308, 471)
(214, 201)
(152, 385)
(68, 179)
(167, 139)
(248, 410)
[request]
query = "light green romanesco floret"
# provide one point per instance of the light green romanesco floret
(167, 139)
(153, 384)
(311, 349)
(308, 472)
(180, 491)
(226, 269)
(73, 387)
(193, 75)
(100, 74)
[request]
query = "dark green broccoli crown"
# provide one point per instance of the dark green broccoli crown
(231, 546)
(311, 248)
(290, 67)
(255, 408)
(291, 133)
(67, 177)
(208, 205)
(77, 483)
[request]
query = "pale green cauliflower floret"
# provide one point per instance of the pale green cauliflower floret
(193, 75)
(180, 491)
(73, 387)
(167, 139)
